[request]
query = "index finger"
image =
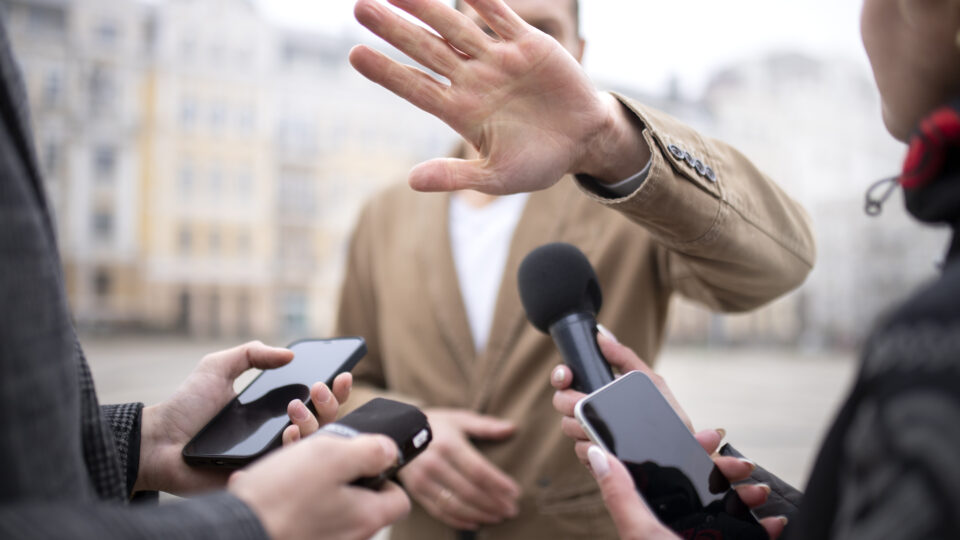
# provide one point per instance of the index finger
(484, 474)
(564, 401)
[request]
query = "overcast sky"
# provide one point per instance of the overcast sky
(643, 43)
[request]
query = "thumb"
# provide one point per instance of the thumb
(484, 427)
(451, 174)
(620, 356)
(629, 511)
(254, 354)
(364, 455)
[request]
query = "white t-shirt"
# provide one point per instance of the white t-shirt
(480, 239)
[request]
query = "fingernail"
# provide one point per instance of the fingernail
(764, 487)
(598, 461)
(606, 332)
(753, 466)
(300, 412)
(784, 520)
(324, 395)
(722, 432)
(559, 373)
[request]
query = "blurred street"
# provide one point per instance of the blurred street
(774, 404)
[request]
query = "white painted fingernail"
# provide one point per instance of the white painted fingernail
(606, 332)
(559, 374)
(598, 461)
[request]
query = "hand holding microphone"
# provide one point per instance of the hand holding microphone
(561, 295)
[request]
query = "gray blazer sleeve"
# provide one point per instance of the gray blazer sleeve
(64, 459)
(124, 421)
(217, 516)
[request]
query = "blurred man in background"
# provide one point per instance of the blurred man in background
(430, 282)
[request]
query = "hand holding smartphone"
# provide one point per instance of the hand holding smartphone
(253, 422)
(630, 419)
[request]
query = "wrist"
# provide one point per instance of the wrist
(617, 150)
(149, 445)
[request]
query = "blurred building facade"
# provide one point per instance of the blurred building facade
(206, 167)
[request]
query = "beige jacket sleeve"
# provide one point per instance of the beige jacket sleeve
(357, 315)
(731, 238)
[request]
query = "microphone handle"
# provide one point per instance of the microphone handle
(576, 337)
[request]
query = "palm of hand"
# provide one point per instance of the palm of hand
(201, 396)
(507, 106)
(168, 426)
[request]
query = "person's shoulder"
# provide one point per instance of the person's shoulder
(934, 303)
(922, 335)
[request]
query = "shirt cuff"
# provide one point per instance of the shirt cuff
(619, 190)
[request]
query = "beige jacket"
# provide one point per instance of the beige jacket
(731, 244)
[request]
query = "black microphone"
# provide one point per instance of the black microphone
(561, 295)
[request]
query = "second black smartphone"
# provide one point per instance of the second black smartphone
(253, 422)
(632, 420)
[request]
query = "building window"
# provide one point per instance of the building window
(52, 89)
(188, 112)
(244, 185)
(243, 314)
(186, 181)
(102, 91)
(149, 36)
(104, 165)
(188, 49)
(102, 283)
(47, 20)
(102, 225)
(215, 242)
(294, 313)
(243, 244)
(247, 119)
(216, 182)
(107, 33)
(185, 240)
(218, 113)
(51, 160)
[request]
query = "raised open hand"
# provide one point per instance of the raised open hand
(516, 95)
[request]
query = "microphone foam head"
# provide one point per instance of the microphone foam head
(556, 280)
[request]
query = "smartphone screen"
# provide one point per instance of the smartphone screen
(252, 423)
(632, 420)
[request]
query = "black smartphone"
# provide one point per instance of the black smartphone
(253, 422)
(631, 419)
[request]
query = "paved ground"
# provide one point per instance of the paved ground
(775, 405)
